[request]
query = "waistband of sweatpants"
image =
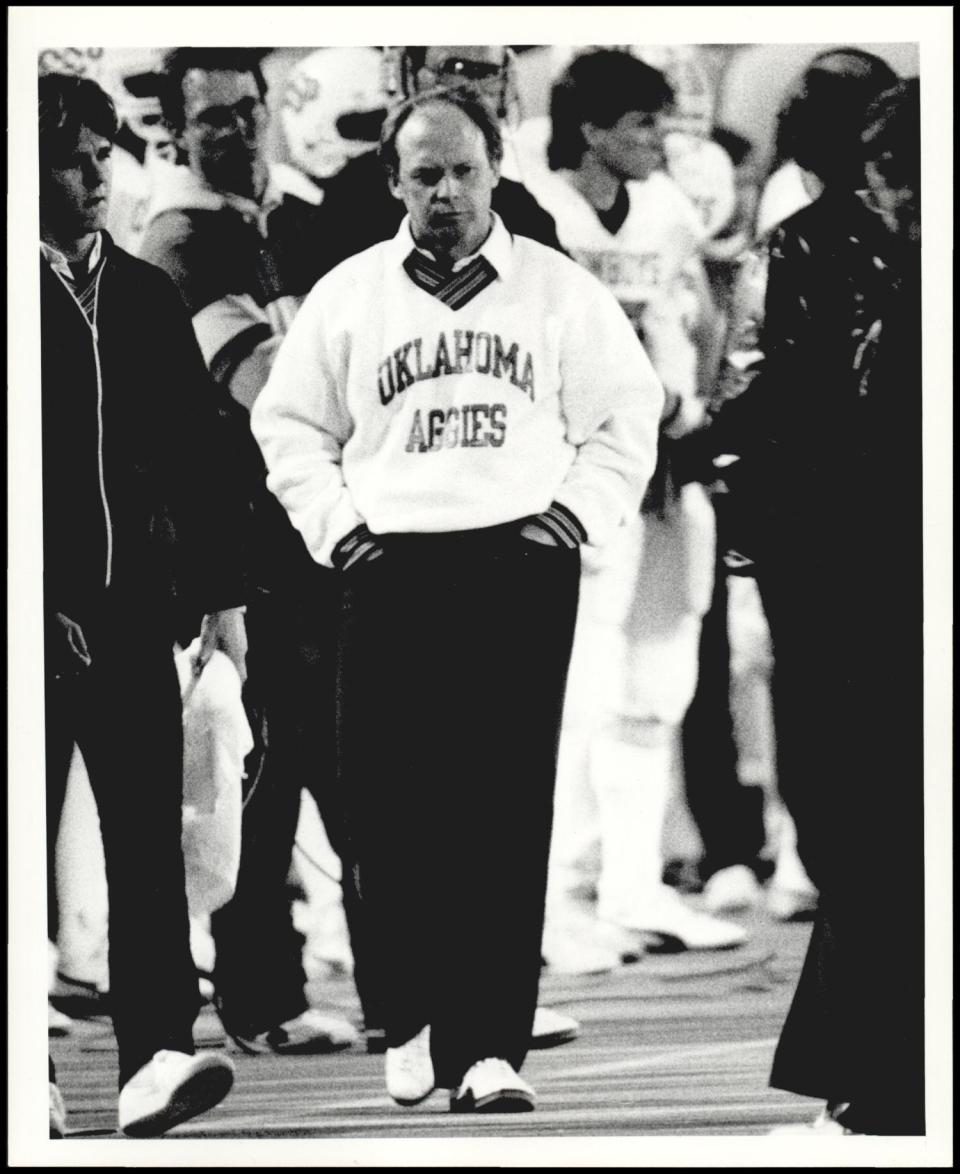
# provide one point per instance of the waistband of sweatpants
(492, 536)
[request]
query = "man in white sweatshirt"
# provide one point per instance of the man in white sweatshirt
(452, 413)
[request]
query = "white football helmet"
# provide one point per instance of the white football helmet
(111, 69)
(332, 108)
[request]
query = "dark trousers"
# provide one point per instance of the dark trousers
(728, 816)
(454, 653)
(847, 694)
(124, 713)
(290, 698)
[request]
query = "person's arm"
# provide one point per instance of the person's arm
(768, 373)
(301, 423)
(612, 401)
(207, 455)
(238, 338)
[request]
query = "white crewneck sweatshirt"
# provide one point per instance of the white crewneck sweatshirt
(386, 406)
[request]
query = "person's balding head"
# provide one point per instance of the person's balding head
(442, 151)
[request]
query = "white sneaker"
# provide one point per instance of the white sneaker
(826, 1125)
(791, 904)
(58, 1024)
(409, 1070)
(171, 1088)
(567, 950)
(58, 1112)
(492, 1086)
(310, 1033)
(678, 926)
(791, 894)
(627, 944)
(551, 1028)
(731, 889)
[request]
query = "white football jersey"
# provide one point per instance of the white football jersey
(646, 263)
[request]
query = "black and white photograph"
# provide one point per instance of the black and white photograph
(376, 800)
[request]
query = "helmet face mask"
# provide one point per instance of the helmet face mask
(129, 76)
(332, 109)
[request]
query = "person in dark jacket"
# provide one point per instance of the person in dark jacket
(855, 1032)
(834, 534)
(140, 534)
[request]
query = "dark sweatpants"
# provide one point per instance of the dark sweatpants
(290, 698)
(124, 713)
(454, 653)
(847, 694)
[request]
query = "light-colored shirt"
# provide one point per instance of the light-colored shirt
(61, 266)
(81, 282)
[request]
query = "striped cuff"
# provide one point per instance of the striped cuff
(563, 525)
(353, 548)
(232, 354)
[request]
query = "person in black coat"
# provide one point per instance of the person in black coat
(855, 1031)
(141, 530)
(830, 481)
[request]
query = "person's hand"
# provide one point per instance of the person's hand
(226, 631)
(74, 639)
(537, 533)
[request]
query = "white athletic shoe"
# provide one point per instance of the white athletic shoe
(791, 894)
(58, 1024)
(569, 950)
(627, 944)
(666, 916)
(492, 1086)
(825, 1125)
(551, 1028)
(311, 1033)
(791, 904)
(731, 889)
(409, 1070)
(58, 1112)
(171, 1088)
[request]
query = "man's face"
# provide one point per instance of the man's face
(224, 121)
(632, 148)
(445, 179)
(481, 66)
(893, 198)
(75, 189)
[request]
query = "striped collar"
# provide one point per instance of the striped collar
(497, 249)
(61, 266)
